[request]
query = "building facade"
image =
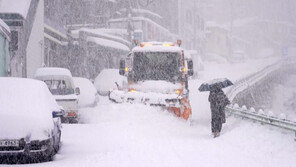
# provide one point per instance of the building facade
(27, 39)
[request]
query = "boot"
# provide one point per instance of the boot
(216, 134)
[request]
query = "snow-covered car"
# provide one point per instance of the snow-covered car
(30, 124)
(88, 93)
(238, 56)
(61, 85)
(109, 79)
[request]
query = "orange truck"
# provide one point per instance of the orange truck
(157, 75)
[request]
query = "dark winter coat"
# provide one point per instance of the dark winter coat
(218, 101)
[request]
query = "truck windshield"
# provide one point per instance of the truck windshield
(58, 87)
(156, 66)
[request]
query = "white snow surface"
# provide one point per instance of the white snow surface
(105, 81)
(26, 107)
(88, 91)
(128, 135)
(15, 6)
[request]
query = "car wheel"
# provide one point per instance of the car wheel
(73, 121)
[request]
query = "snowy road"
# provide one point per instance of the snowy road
(138, 135)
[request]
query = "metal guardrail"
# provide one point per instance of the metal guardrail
(262, 118)
(243, 112)
(277, 122)
(250, 80)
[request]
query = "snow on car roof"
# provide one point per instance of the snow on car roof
(15, 6)
(53, 71)
(17, 110)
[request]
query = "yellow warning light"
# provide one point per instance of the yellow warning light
(168, 44)
(184, 69)
(178, 91)
(132, 90)
(145, 44)
(126, 69)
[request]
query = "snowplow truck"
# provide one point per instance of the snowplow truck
(158, 76)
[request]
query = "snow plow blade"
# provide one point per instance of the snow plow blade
(172, 102)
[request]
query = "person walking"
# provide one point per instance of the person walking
(218, 101)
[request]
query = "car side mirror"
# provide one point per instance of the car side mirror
(56, 114)
(190, 67)
(122, 67)
(77, 91)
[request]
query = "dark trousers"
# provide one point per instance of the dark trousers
(216, 124)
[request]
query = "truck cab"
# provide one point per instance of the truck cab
(157, 75)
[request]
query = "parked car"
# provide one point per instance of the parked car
(238, 56)
(30, 124)
(61, 85)
(109, 79)
(88, 93)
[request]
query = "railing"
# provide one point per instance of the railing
(252, 114)
(261, 117)
(250, 80)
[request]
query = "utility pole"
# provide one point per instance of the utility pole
(231, 28)
(129, 20)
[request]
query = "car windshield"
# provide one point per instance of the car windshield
(156, 66)
(58, 87)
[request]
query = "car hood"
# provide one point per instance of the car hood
(156, 86)
(17, 127)
(26, 108)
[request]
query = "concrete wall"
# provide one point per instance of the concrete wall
(34, 48)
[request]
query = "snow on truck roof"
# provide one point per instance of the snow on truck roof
(157, 47)
(52, 71)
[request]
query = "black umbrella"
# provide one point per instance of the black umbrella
(215, 83)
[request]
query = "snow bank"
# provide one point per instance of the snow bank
(88, 92)
(15, 6)
(105, 81)
(25, 109)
